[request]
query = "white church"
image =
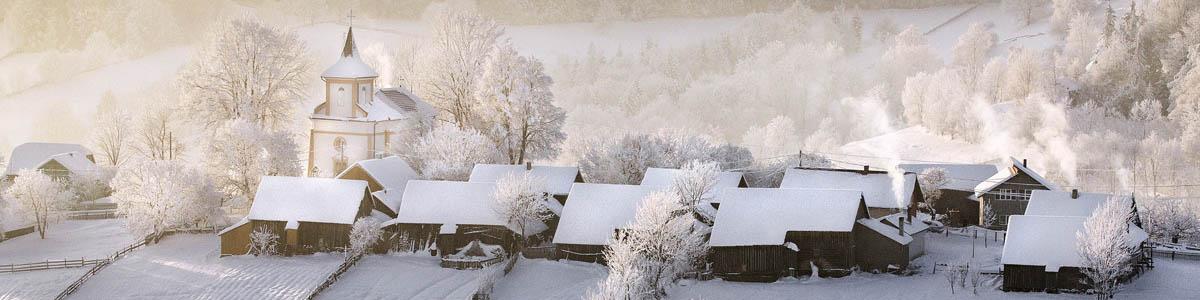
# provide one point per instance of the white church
(357, 121)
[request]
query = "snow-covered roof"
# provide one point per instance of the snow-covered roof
(763, 216)
(1005, 174)
(398, 103)
(32, 155)
(875, 186)
(307, 199)
(558, 179)
(663, 178)
(1049, 241)
(453, 202)
(890, 232)
(239, 223)
(349, 65)
(74, 162)
(1060, 203)
(594, 211)
(916, 226)
(959, 177)
(392, 173)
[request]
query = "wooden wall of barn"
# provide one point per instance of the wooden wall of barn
(584, 253)
(418, 236)
(876, 251)
(958, 207)
(752, 263)
(237, 240)
(1019, 278)
(831, 252)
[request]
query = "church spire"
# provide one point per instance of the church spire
(350, 50)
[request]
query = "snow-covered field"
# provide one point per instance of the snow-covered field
(37, 284)
(187, 266)
(406, 276)
(70, 239)
(544, 279)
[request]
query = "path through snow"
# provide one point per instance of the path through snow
(406, 276)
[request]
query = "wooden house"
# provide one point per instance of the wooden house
(1040, 253)
(592, 216)
(878, 187)
(956, 201)
(558, 179)
(762, 234)
(918, 227)
(881, 247)
(386, 179)
(660, 178)
(451, 214)
(307, 214)
(1008, 192)
(54, 159)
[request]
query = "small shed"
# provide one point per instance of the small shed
(452, 214)
(917, 226)
(1008, 192)
(592, 216)
(558, 179)
(762, 234)
(878, 187)
(956, 201)
(1040, 253)
(881, 247)
(307, 214)
(54, 159)
(386, 179)
(661, 178)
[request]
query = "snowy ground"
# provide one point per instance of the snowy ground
(544, 279)
(71, 239)
(37, 284)
(407, 276)
(187, 266)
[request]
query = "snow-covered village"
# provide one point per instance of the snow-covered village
(599, 149)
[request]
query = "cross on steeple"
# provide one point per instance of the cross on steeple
(350, 17)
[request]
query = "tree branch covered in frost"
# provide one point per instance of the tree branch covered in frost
(653, 252)
(113, 134)
(156, 196)
(624, 159)
(1169, 220)
(932, 181)
(516, 106)
(364, 234)
(450, 65)
(449, 153)
(694, 186)
(247, 70)
(263, 241)
(522, 201)
(1104, 247)
(240, 154)
(38, 195)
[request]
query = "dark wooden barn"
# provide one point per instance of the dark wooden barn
(1008, 192)
(386, 178)
(1040, 253)
(592, 216)
(763, 234)
(451, 214)
(957, 201)
(306, 214)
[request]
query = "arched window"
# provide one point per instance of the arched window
(340, 160)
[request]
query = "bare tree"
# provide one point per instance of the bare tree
(38, 195)
(247, 70)
(1104, 247)
(158, 135)
(451, 64)
(522, 201)
(112, 134)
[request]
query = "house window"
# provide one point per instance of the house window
(340, 160)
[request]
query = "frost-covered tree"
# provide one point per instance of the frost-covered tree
(626, 277)
(624, 159)
(932, 181)
(778, 137)
(1169, 220)
(160, 195)
(241, 153)
(909, 54)
(1027, 11)
(158, 134)
(113, 132)
(1027, 74)
(694, 186)
(516, 106)
(263, 242)
(38, 195)
(988, 218)
(933, 99)
(1104, 248)
(88, 186)
(363, 235)
(522, 201)
(1079, 47)
(657, 248)
(246, 70)
(449, 153)
(971, 50)
(452, 62)
(1066, 10)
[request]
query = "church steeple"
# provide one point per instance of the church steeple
(350, 50)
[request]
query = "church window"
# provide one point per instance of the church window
(340, 160)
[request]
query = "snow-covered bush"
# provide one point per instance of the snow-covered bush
(989, 218)
(363, 235)
(38, 195)
(263, 242)
(1104, 247)
(156, 196)
(449, 153)
(521, 200)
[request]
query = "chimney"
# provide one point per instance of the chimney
(528, 166)
(1074, 193)
(1024, 162)
(901, 225)
(866, 169)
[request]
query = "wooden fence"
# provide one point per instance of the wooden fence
(100, 266)
(469, 264)
(489, 280)
(546, 252)
(333, 277)
(91, 214)
(48, 264)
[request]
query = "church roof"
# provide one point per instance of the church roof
(349, 65)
